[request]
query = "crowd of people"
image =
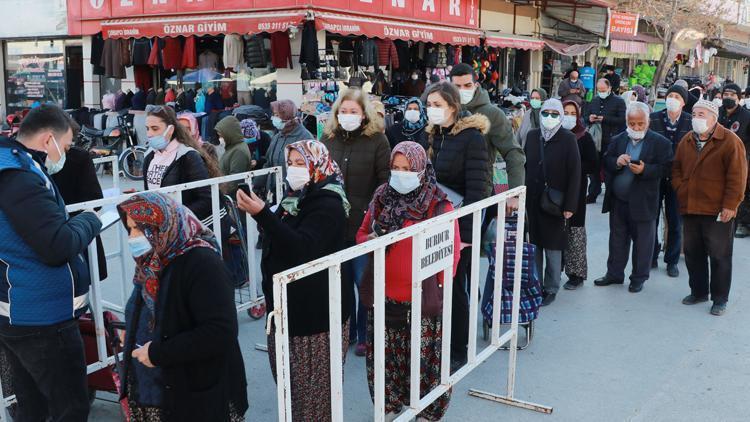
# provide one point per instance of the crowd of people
(360, 181)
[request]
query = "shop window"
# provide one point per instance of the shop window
(35, 74)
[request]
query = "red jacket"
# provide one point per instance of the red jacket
(398, 259)
(387, 54)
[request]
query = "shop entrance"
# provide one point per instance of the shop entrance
(74, 79)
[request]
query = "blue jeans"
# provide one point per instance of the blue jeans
(353, 270)
(49, 371)
(674, 225)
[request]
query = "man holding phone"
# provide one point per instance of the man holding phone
(709, 175)
(636, 162)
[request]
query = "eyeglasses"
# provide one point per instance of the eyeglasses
(549, 114)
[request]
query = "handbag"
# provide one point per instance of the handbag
(552, 199)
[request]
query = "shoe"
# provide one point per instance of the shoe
(741, 232)
(718, 309)
(635, 287)
(673, 271)
(606, 281)
(573, 283)
(692, 300)
(591, 199)
(361, 349)
(548, 299)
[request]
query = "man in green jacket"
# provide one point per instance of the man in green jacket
(476, 100)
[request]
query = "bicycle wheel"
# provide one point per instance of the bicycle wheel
(131, 163)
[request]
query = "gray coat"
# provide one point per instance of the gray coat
(276, 154)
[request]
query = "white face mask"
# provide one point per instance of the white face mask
(412, 115)
(56, 166)
(350, 122)
(603, 95)
(466, 95)
(436, 115)
(297, 177)
(673, 105)
(404, 182)
(414, 77)
(700, 126)
(569, 122)
(718, 101)
(636, 135)
(222, 142)
(550, 122)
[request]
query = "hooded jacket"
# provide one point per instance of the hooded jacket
(236, 158)
(364, 159)
(276, 154)
(500, 138)
(459, 155)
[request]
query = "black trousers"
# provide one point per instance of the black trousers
(623, 229)
(460, 307)
(49, 371)
(707, 240)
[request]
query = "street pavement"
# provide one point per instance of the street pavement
(599, 354)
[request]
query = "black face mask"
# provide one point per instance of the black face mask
(729, 103)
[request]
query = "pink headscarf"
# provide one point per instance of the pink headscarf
(193, 124)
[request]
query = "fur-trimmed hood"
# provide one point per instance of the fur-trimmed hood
(474, 121)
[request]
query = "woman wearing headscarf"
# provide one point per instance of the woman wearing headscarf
(290, 130)
(412, 127)
(576, 266)
(553, 175)
(310, 223)
(640, 94)
(410, 197)
(182, 360)
(531, 117)
(190, 123)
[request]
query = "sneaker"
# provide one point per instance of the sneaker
(673, 271)
(718, 309)
(573, 283)
(606, 281)
(548, 299)
(742, 232)
(361, 349)
(692, 300)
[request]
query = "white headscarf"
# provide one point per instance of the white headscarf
(553, 104)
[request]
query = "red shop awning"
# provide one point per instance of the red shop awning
(493, 39)
(173, 26)
(395, 30)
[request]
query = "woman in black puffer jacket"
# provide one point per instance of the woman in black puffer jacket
(459, 154)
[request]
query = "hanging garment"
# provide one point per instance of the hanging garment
(255, 51)
(442, 57)
(141, 50)
(142, 76)
(155, 59)
(172, 54)
(367, 53)
(139, 100)
(208, 60)
(120, 101)
(150, 97)
(97, 52)
(404, 55)
(112, 58)
(234, 50)
(309, 54)
(431, 56)
(387, 54)
(346, 53)
(450, 55)
(189, 54)
(281, 50)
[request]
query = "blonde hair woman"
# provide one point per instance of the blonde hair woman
(354, 136)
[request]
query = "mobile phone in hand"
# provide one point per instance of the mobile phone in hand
(636, 162)
(245, 188)
(377, 229)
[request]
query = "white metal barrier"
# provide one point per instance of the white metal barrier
(96, 302)
(418, 233)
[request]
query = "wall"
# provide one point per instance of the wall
(498, 16)
(40, 18)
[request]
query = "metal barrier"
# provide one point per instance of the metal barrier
(97, 304)
(427, 238)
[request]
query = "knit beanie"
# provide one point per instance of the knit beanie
(680, 90)
(709, 106)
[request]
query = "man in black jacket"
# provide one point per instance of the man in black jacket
(607, 110)
(672, 123)
(737, 119)
(42, 251)
(636, 162)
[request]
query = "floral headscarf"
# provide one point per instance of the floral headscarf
(193, 125)
(250, 129)
(553, 104)
(171, 229)
(324, 174)
(580, 129)
(391, 209)
(412, 128)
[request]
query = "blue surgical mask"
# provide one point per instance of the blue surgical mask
(249, 140)
(139, 246)
(159, 142)
(56, 166)
(404, 182)
(277, 122)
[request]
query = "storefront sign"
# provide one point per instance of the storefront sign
(436, 250)
(623, 23)
(241, 23)
(34, 74)
(394, 30)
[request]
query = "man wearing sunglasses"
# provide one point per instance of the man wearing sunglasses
(636, 162)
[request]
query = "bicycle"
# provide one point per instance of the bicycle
(116, 141)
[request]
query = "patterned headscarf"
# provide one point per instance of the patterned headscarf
(250, 129)
(580, 129)
(411, 128)
(193, 125)
(535, 112)
(553, 104)
(324, 174)
(171, 229)
(391, 209)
